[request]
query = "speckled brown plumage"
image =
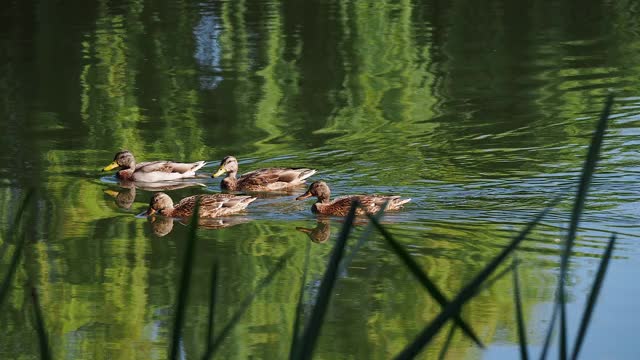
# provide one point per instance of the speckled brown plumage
(212, 205)
(369, 204)
(269, 179)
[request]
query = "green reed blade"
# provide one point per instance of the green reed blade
(578, 207)
(562, 349)
(422, 277)
(212, 304)
(183, 292)
(447, 343)
(17, 253)
(454, 307)
(298, 318)
(547, 338)
(489, 283)
(522, 335)
(43, 339)
(244, 305)
(344, 264)
(593, 296)
(312, 330)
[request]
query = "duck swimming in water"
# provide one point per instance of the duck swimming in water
(369, 204)
(269, 179)
(151, 171)
(211, 205)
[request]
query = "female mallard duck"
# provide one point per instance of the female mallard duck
(369, 204)
(151, 171)
(269, 179)
(212, 205)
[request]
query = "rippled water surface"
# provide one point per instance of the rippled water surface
(481, 114)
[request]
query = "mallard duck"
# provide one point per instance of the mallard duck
(269, 179)
(369, 204)
(212, 205)
(151, 171)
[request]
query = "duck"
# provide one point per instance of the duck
(369, 204)
(211, 205)
(268, 179)
(151, 171)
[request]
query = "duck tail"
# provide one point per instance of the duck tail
(197, 165)
(305, 173)
(400, 202)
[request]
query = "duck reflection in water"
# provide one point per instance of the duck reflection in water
(161, 225)
(321, 233)
(125, 196)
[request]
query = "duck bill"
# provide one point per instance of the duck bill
(111, 193)
(220, 171)
(304, 196)
(304, 230)
(151, 211)
(111, 166)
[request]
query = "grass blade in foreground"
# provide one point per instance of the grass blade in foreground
(312, 330)
(42, 334)
(578, 207)
(183, 291)
(547, 338)
(522, 335)
(17, 253)
(489, 283)
(344, 264)
(426, 282)
(593, 296)
(244, 305)
(299, 306)
(447, 343)
(212, 305)
(455, 306)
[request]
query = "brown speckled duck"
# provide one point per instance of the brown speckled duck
(369, 204)
(151, 171)
(269, 179)
(211, 205)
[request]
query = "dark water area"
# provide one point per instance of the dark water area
(481, 113)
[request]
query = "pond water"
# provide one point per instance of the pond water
(482, 114)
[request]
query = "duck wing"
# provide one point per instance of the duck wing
(169, 167)
(275, 178)
(214, 205)
(373, 203)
